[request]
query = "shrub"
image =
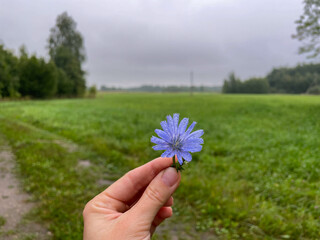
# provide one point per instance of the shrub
(92, 91)
(315, 90)
(38, 79)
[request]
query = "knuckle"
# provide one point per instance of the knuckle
(87, 209)
(154, 194)
(129, 175)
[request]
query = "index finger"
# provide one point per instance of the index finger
(128, 186)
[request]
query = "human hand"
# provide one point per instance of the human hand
(132, 207)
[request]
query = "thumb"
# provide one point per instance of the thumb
(156, 195)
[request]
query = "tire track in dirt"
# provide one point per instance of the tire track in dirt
(15, 204)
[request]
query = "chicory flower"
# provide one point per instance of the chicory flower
(177, 140)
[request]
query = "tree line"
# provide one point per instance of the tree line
(303, 78)
(25, 75)
(254, 85)
(158, 89)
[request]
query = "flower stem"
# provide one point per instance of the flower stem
(174, 162)
(176, 165)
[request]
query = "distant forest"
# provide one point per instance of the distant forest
(303, 78)
(150, 88)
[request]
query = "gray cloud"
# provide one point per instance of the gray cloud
(159, 42)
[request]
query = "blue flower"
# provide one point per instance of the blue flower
(175, 140)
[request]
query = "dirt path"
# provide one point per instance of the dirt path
(15, 204)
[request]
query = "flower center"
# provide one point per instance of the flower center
(176, 143)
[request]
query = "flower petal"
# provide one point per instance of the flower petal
(164, 154)
(170, 125)
(179, 158)
(190, 128)
(191, 141)
(191, 148)
(160, 147)
(175, 122)
(163, 135)
(186, 156)
(165, 127)
(168, 153)
(186, 134)
(183, 126)
(157, 140)
(195, 134)
(171, 154)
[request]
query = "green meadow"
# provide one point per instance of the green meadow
(257, 177)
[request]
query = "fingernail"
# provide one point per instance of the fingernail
(170, 176)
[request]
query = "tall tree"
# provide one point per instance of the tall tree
(9, 76)
(66, 50)
(308, 28)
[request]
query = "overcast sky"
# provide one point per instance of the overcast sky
(135, 42)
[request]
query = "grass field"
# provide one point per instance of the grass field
(256, 178)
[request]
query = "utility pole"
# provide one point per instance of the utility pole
(191, 83)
